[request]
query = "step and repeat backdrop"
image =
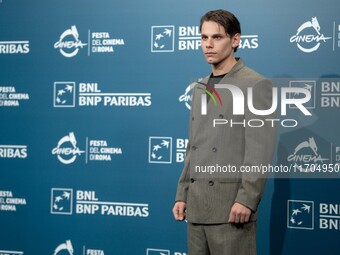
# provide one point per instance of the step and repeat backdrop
(94, 107)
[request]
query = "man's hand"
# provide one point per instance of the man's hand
(179, 210)
(239, 213)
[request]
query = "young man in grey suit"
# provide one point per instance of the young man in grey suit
(216, 196)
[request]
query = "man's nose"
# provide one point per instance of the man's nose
(209, 43)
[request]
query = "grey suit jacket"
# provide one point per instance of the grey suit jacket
(209, 197)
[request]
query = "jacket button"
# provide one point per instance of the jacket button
(214, 149)
(221, 116)
(211, 183)
(192, 118)
(194, 147)
(192, 180)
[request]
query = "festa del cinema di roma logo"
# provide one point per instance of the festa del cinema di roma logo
(308, 37)
(238, 102)
(67, 249)
(306, 152)
(67, 150)
(69, 42)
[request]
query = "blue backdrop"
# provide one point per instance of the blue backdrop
(88, 89)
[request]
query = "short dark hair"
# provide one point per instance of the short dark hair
(224, 18)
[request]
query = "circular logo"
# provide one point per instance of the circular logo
(69, 48)
(67, 150)
(308, 37)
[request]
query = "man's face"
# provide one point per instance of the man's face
(217, 45)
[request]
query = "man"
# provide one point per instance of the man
(221, 208)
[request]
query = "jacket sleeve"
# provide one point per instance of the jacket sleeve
(259, 145)
(183, 183)
(184, 179)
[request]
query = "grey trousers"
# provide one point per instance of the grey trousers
(222, 239)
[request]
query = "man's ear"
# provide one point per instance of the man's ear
(236, 40)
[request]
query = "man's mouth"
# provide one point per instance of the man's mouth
(209, 53)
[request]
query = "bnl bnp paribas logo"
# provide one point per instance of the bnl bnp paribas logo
(89, 94)
(152, 251)
(14, 47)
(166, 38)
(13, 151)
(70, 43)
(311, 215)
(308, 37)
(61, 201)
(64, 94)
(67, 201)
(161, 149)
(300, 214)
(7, 252)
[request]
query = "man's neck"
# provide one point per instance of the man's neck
(223, 67)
